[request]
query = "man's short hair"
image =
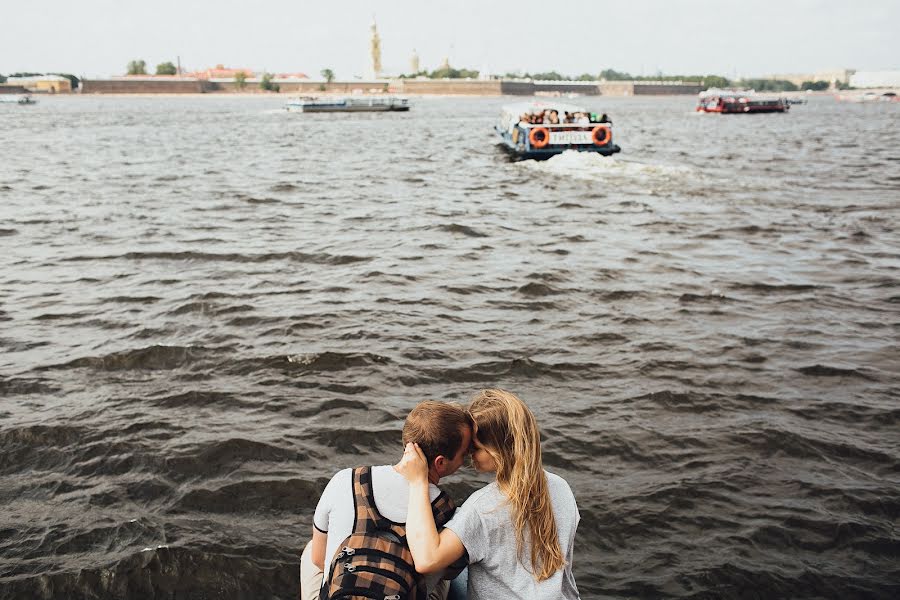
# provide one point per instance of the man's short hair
(436, 428)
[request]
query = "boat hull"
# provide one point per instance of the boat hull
(745, 110)
(519, 147)
(348, 105)
(17, 100)
(346, 109)
(740, 103)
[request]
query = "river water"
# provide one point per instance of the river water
(209, 305)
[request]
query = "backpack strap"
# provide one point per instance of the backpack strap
(367, 516)
(442, 508)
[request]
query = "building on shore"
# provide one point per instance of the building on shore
(46, 84)
(220, 72)
(875, 79)
(834, 77)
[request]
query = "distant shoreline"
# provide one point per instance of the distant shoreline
(293, 94)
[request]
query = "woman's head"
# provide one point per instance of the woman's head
(506, 434)
(507, 440)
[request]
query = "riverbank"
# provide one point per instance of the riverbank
(438, 87)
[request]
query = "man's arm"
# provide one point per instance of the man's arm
(317, 550)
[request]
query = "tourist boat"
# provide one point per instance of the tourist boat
(349, 104)
(541, 130)
(17, 99)
(739, 102)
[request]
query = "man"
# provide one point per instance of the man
(443, 432)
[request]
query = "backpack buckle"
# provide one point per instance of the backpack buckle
(349, 568)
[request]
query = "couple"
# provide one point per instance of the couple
(516, 534)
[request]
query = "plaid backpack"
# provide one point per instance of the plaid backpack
(374, 562)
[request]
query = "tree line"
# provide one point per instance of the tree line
(138, 67)
(707, 81)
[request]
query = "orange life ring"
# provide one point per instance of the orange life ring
(607, 135)
(543, 141)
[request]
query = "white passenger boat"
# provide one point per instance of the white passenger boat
(543, 129)
(349, 104)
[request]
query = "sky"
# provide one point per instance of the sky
(97, 38)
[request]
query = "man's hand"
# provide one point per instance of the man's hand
(413, 465)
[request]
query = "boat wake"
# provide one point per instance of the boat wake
(591, 167)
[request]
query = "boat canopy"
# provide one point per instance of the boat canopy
(749, 94)
(511, 114)
(520, 108)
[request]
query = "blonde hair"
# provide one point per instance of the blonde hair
(509, 433)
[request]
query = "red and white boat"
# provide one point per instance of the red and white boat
(739, 102)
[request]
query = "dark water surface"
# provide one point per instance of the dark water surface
(209, 305)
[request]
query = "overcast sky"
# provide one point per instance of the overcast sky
(726, 37)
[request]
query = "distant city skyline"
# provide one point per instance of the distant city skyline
(97, 38)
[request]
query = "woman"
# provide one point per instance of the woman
(519, 530)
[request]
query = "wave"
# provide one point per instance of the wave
(221, 457)
(284, 187)
(238, 571)
(155, 357)
(538, 289)
(253, 497)
(14, 386)
(492, 371)
(770, 288)
(712, 297)
(593, 167)
(201, 399)
(827, 371)
(463, 229)
(40, 447)
(298, 257)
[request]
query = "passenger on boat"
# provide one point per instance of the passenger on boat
(518, 531)
(444, 433)
(552, 117)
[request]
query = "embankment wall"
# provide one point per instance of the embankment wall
(444, 87)
(141, 86)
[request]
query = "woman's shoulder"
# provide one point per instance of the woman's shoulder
(488, 494)
(559, 486)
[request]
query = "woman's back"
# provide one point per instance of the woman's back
(485, 527)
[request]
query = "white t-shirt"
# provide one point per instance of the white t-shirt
(484, 526)
(335, 514)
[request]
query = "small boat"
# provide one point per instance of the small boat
(18, 99)
(739, 102)
(540, 130)
(310, 104)
(869, 97)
